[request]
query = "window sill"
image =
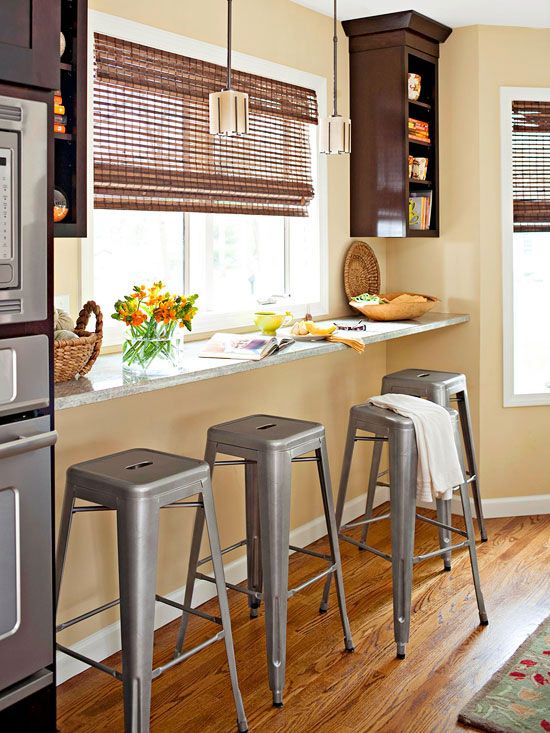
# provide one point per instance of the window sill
(107, 382)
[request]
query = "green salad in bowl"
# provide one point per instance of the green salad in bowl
(370, 299)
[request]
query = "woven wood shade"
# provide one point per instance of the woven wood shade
(153, 149)
(531, 166)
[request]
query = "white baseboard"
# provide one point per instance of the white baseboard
(105, 642)
(506, 506)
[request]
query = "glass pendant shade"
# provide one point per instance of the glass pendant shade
(335, 135)
(228, 112)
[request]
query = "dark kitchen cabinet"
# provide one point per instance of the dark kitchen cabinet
(29, 42)
(384, 50)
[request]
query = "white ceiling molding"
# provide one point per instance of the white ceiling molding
(528, 13)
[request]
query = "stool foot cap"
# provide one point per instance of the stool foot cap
(242, 727)
(447, 568)
(277, 704)
(323, 608)
(253, 613)
(400, 656)
(483, 620)
(400, 651)
(349, 646)
(484, 538)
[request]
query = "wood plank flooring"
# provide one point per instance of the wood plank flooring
(329, 691)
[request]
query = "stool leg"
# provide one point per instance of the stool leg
(215, 550)
(403, 460)
(328, 505)
(373, 480)
(137, 536)
(444, 515)
(274, 477)
(198, 531)
(63, 538)
(253, 542)
(464, 495)
(342, 491)
(466, 425)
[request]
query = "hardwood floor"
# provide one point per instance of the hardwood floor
(449, 656)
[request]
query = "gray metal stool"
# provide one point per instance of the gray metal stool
(137, 484)
(267, 446)
(444, 388)
(399, 433)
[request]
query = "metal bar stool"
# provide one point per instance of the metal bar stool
(399, 433)
(137, 484)
(267, 446)
(443, 388)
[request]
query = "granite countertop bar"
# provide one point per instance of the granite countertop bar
(106, 381)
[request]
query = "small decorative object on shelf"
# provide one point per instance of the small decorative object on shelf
(62, 44)
(60, 205)
(155, 319)
(419, 130)
(414, 86)
(420, 209)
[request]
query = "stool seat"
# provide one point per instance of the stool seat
(425, 381)
(266, 433)
(137, 472)
(384, 421)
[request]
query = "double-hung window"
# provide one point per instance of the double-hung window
(525, 138)
(237, 220)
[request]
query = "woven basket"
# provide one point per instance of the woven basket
(361, 271)
(75, 357)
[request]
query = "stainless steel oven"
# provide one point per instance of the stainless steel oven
(26, 638)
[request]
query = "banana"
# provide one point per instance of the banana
(316, 330)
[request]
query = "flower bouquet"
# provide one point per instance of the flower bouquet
(154, 317)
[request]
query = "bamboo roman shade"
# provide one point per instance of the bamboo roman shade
(153, 150)
(531, 166)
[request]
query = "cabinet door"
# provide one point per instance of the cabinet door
(29, 42)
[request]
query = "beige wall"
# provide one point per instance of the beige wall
(463, 266)
(177, 419)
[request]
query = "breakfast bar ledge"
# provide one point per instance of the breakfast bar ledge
(106, 380)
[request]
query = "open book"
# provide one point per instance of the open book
(243, 346)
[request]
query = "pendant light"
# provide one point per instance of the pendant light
(229, 108)
(335, 131)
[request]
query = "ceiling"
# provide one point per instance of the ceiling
(527, 13)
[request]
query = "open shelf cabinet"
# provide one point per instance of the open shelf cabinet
(70, 147)
(384, 49)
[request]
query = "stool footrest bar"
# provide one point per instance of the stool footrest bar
(383, 473)
(86, 660)
(87, 615)
(450, 527)
(253, 593)
(241, 462)
(78, 509)
(185, 504)
(185, 655)
(442, 551)
(361, 522)
(368, 439)
(385, 484)
(314, 579)
(362, 545)
(305, 551)
(186, 609)
(225, 550)
(305, 459)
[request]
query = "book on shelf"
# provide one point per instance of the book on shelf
(60, 119)
(419, 139)
(243, 346)
(59, 128)
(420, 209)
(58, 109)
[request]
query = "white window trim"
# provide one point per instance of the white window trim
(507, 96)
(99, 22)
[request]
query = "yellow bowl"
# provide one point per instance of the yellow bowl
(396, 311)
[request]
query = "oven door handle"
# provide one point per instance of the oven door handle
(27, 443)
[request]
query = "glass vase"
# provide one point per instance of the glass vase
(152, 357)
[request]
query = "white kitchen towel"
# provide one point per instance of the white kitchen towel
(439, 468)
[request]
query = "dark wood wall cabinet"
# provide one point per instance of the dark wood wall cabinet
(70, 137)
(29, 39)
(392, 194)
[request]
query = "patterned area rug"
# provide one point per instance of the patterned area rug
(517, 698)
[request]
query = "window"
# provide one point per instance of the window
(525, 137)
(164, 216)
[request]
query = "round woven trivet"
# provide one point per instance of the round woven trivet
(361, 271)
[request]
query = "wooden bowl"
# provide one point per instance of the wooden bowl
(397, 311)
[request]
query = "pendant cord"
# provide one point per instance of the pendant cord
(229, 34)
(335, 66)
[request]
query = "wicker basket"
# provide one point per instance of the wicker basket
(361, 271)
(395, 311)
(75, 357)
